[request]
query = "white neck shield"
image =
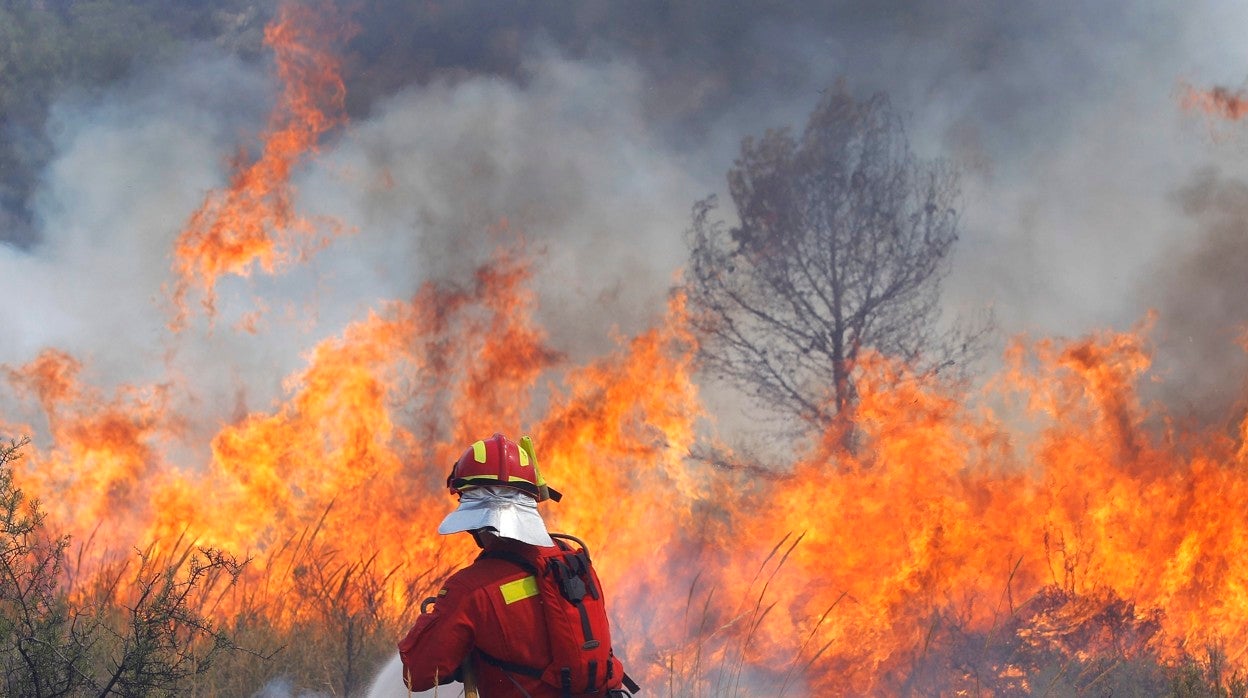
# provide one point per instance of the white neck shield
(510, 512)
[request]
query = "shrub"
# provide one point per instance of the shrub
(138, 631)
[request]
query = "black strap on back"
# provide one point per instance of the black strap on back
(529, 671)
(574, 587)
(509, 666)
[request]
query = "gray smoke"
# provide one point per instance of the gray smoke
(591, 133)
(591, 129)
(1199, 291)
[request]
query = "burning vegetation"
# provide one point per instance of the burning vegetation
(1045, 531)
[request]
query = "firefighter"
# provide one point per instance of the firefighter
(488, 625)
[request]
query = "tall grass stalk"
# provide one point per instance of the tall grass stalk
(713, 659)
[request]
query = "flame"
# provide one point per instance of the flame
(253, 222)
(467, 353)
(1045, 505)
(950, 538)
(1217, 101)
(106, 453)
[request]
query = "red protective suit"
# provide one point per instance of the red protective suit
(473, 612)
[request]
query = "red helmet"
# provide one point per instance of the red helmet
(500, 462)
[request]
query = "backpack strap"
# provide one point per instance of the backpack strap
(509, 666)
(572, 585)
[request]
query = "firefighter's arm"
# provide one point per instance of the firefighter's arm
(439, 641)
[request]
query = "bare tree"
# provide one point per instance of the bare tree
(842, 243)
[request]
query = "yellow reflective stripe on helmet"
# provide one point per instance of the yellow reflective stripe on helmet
(486, 479)
(524, 458)
(478, 451)
(519, 590)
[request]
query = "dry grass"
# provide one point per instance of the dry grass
(180, 619)
(717, 659)
(326, 620)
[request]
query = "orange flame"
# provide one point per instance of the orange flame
(1035, 513)
(459, 359)
(253, 221)
(106, 453)
(841, 573)
(1218, 101)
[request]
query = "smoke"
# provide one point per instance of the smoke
(1089, 194)
(1199, 291)
(429, 185)
(389, 682)
(128, 168)
(567, 161)
(591, 130)
(284, 688)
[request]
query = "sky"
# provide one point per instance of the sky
(1091, 196)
